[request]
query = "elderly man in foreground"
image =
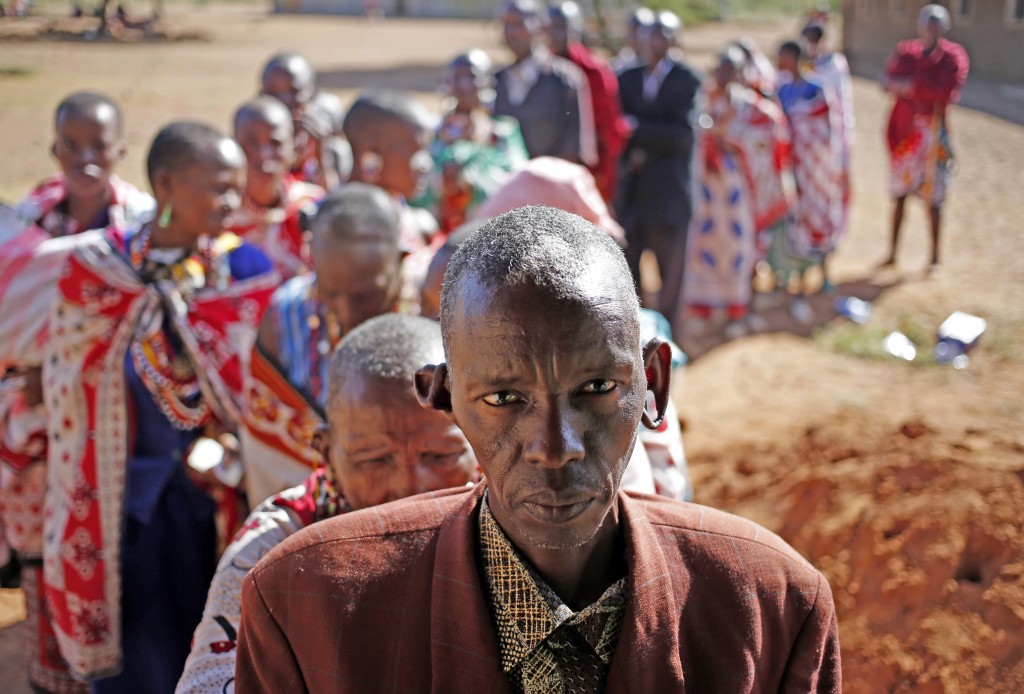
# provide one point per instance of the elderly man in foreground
(546, 577)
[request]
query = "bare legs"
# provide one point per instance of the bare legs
(934, 219)
(897, 223)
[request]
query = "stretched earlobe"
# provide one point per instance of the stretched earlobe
(432, 387)
(370, 166)
(322, 440)
(658, 370)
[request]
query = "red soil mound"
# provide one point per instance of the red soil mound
(921, 537)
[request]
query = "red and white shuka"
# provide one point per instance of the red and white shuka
(102, 304)
(818, 168)
(28, 279)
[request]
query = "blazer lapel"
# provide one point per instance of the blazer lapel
(647, 655)
(464, 653)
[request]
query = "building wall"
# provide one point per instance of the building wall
(483, 9)
(995, 43)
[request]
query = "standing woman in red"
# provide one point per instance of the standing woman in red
(144, 358)
(925, 75)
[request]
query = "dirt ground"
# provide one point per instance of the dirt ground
(903, 482)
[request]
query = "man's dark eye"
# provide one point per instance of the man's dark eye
(502, 397)
(598, 386)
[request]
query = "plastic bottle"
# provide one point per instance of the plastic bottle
(857, 310)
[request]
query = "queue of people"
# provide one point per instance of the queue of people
(330, 311)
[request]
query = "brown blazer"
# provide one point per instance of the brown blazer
(390, 599)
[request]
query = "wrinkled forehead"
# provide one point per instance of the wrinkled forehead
(593, 320)
(384, 407)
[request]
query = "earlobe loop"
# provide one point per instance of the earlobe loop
(655, 424)
(658, 365)
(440, 397)
(370, 164)
(321, 440)
(431, 387)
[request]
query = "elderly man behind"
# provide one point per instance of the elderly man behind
(546, 577)
(546, 94)
(379, 446)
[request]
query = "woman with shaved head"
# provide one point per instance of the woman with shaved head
(147, 337)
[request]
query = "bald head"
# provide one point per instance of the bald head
(289, 78)
(265, 109)
(375, 112)
(92, 106)
(183, 143)
(559, 253)
(356, 212)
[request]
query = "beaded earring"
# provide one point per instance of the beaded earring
(205, 247)
(140, 246)
(165, 217)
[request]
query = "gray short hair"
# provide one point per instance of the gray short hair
(540, 246)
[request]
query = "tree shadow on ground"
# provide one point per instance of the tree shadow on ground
(773, 313)
(86, 30)
(413, 77)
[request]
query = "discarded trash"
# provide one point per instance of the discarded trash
(950, 351)
(899, 345)
(964, 328)
(958, 334)
(853, 308)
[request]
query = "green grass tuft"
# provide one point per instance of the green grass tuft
(16, 71)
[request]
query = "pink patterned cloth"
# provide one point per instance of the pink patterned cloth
(555, 183)
(917, 134)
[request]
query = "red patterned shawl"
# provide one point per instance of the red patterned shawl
(100, 303)
(31, 262)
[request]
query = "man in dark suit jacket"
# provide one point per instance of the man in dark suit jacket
(654, 203)
(547, 577)
(548, 95)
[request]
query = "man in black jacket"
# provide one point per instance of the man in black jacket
(654, 202)
(548, 95)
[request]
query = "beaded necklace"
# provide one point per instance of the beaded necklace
(171, 380)
(164, 370)
(324, 333)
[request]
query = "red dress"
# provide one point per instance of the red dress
(918, 136)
